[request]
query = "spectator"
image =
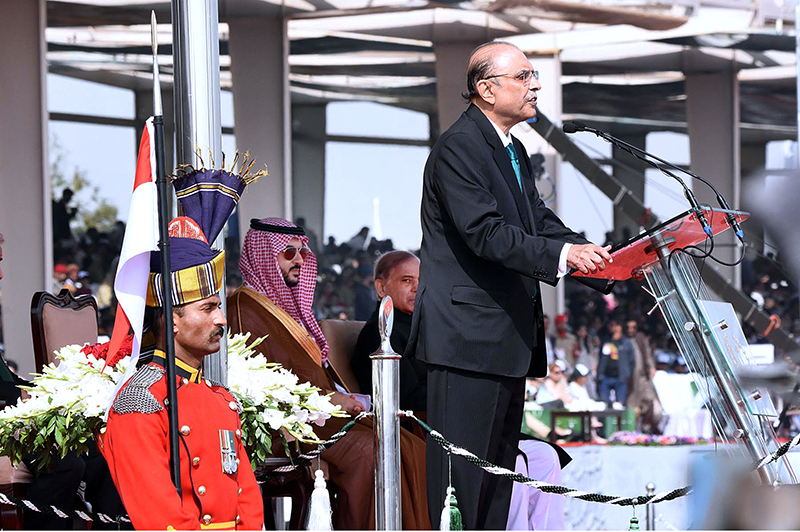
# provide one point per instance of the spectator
(59, 277)
(615, 366)
(63, 214)
(554, 392)
(580, 394)
(396, 275)
(586, 354)
(565, 343)
(642, 394)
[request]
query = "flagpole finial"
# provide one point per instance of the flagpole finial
(157, 108)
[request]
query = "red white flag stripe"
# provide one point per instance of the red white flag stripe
(141, 237)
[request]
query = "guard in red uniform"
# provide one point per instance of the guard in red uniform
(219, 489)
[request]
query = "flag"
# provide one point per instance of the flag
(141, 237)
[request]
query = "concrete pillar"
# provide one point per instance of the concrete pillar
(260, 70)
(754, 161)
(712, 114)
(308, 166)
(451, 79)
(25, 208)
(632, 176)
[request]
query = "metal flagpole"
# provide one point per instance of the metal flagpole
(166, 278)
(195, 52)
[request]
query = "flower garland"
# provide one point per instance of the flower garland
(637, 438)
(68, 401)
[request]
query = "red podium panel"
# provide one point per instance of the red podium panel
(679, 232)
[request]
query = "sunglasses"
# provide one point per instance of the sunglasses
(290, 252)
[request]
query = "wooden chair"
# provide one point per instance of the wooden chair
(13, 483)
(58, 321)
(342, 336)
(296, 485)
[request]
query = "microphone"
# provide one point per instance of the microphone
(575, 126)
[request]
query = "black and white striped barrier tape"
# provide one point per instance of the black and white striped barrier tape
(64, 514)
(569, 492)
(780, 451)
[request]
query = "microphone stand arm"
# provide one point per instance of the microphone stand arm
(647, 158)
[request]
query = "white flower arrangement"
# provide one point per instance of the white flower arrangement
(273, 400)
(67, 403)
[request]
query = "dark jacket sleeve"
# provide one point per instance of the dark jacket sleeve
(413, 376)
(464, 188)
(10, 391)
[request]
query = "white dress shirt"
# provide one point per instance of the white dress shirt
(562, 258)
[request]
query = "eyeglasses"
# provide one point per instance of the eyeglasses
(523, 76)
(290, 252)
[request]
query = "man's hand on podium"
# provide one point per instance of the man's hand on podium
(588, 257)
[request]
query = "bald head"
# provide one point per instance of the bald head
(483, 61)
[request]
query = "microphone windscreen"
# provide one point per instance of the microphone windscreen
(570, 127)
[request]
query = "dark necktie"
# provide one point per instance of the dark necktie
(512, 153)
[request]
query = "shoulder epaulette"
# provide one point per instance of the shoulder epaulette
(136, 396)
(212, 383)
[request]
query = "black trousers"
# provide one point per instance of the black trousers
(483, 414)
(55, 486)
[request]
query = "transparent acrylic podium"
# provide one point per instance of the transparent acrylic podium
(707, 332)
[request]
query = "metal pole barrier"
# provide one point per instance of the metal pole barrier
(649, 511)
(386, 395)
(195, 53)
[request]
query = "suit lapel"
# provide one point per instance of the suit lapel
(503, 162)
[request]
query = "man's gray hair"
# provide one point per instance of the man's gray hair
(478, 70)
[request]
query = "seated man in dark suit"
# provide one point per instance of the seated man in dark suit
(396, 275)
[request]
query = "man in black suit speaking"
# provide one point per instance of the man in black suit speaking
(487, 241)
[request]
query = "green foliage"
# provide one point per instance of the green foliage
(93, 209)
(46, 436)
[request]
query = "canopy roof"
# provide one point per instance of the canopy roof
(622, 62)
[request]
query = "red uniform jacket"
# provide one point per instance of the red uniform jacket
(219, 489)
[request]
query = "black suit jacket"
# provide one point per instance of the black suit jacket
(485, 247)
(413, 373)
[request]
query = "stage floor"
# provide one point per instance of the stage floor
(625, 471)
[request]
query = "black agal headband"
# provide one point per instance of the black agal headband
(261, 226)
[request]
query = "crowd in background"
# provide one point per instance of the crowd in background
(597, 349)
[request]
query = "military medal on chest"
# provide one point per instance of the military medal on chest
(227, 446)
